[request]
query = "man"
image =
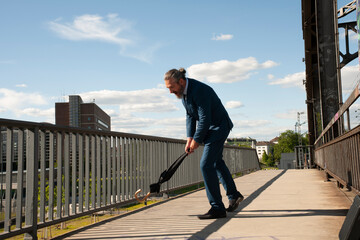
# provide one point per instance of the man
(207, 122)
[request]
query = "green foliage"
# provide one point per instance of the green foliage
(265, 157)
(268, 159)
(244, 145)
(287, 142)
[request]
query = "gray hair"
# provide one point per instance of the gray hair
(175, 74)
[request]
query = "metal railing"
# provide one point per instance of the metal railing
(51, 174)
(339, 154)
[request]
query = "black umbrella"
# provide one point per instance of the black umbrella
(165, 176)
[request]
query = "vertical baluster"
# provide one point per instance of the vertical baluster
(131, 169)
(145, 166)
(20, 180)
(87, 172)
(74, 169)
(119, 165)
(151, 164)
(59, 152)
(81, 172)
(67, 173)
(122, 151)
(141, 166)
(32, 159)
(108, 175)
(103, 160)
(8, 177)
(42, 176)
(114, 169)
(93, 171)
(51, 176)
(126, 146)
(137, 165)
(98, 171)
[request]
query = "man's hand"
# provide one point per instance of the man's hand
(188, 144)
(191, 145)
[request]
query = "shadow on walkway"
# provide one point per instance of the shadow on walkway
(215, 226)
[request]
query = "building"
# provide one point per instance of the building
(76, 113)
(275, 140)
(262, 147)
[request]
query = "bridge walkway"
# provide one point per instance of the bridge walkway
(279, 204)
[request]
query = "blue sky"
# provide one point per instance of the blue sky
(117, 52)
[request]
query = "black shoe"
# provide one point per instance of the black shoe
(234, 203)
(213, 214)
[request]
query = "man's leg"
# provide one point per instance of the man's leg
(226, 180)
(207, 166)
(224, 174)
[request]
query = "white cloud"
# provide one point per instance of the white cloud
(350, 76)
(110, 29)
(292, 114)
(260, 133)
(147, 100)
(225, 71)
(164, 127)
(13, 100)
(36, 112)
(21, 85)
(234, 104)
(222, 37)
(291, 80)
(250, 123)
(93, 27)
(270, 76)
(149, 107)
(131, 122)
(351, 34)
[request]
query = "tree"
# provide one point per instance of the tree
(264, 157)
(268, 159)
(271, 160)
(287, 142)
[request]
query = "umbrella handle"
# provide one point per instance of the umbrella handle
(141, 200)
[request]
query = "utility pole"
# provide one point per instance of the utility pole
(299, 153)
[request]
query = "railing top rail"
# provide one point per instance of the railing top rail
(59, 128)
(351, 99)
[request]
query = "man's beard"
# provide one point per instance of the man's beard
(180, 94)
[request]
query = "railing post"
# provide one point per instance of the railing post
(8, 177)
(32, 158)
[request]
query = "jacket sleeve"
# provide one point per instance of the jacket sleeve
(204, 111)
(190, 126)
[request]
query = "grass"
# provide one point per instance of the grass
(71, 225)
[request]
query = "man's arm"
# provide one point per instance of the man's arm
(204, 110)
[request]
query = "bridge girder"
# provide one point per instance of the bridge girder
(322, 60)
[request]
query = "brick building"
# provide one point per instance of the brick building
(76, 113)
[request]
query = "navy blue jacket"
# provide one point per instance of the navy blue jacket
(204, 108)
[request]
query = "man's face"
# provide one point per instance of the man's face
(176, 88)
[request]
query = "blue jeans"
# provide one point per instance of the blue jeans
(213, 169)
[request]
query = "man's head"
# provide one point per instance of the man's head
(175, 81)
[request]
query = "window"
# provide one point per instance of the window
(103, 124)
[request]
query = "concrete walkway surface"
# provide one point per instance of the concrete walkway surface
(279, 204)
